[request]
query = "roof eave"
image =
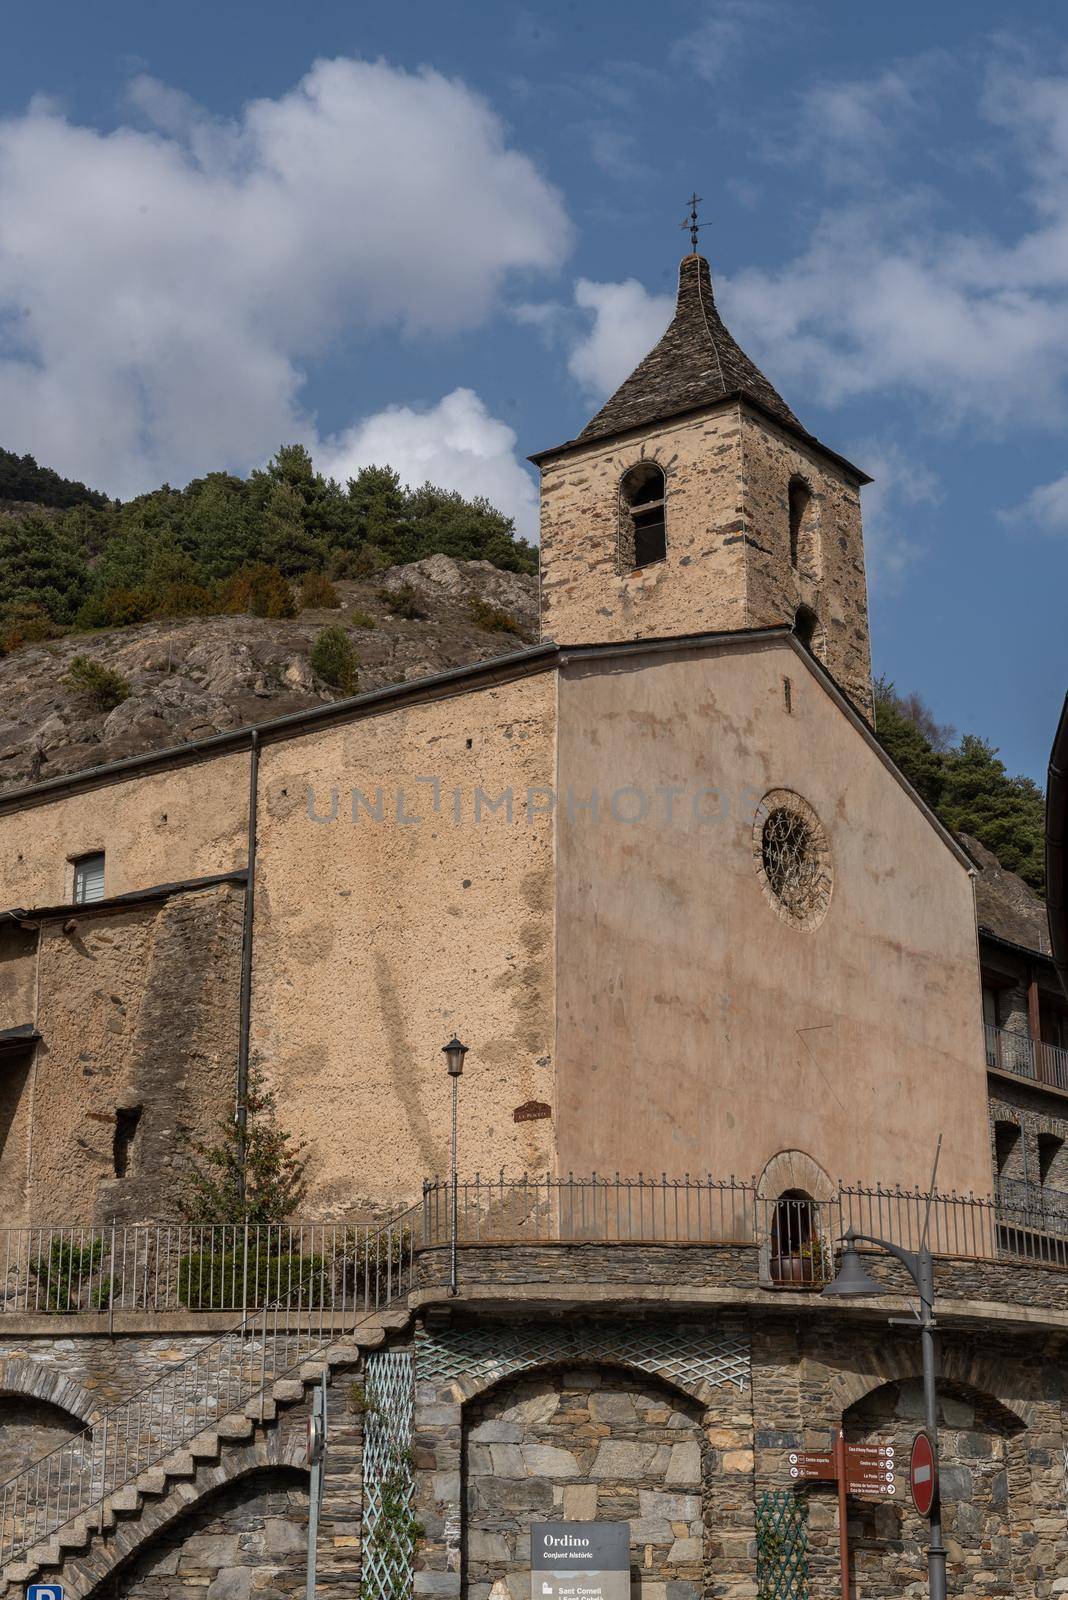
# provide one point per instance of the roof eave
(734, 397)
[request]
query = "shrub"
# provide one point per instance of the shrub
(257, 1176)
(230, 1280)
(492, 618)
(317, 590)
(335, 660)
(116, 608)
(184, 600)
(261, 589)
(403, 602)
(97, 685)
(366, 561)
(361, 619)
(27, 624)
(65, 1271)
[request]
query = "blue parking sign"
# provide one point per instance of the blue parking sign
(45, 1591)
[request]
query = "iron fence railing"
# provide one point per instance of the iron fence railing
(179, 1266)
(796, 1235)
(1025, 1057)
(316, 1308)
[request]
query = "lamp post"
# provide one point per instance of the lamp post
(853, 1279)
(454, 1053)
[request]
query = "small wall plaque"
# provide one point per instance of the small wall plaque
(532, 1111)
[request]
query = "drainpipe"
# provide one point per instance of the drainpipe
(241, 1109)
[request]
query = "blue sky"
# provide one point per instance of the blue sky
(439, 235)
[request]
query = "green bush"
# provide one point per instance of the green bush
(64, 1271)
(492, 618)
(95, 684)
(217, 1280)
(335, 660)
(361, 619)
(261, 589)
(316, 591)
(403, 602)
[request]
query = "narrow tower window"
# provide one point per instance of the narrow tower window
(800, 498)
(809, 630)
(89, 878)
(126, 1120)
(642, 528)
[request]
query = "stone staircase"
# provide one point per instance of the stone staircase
(71, 1546)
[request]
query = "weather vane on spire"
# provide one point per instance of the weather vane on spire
(692, 223)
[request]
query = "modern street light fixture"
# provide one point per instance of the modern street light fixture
(454, 1053)
(852, 1280)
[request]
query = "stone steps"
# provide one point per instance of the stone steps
(46, 1560)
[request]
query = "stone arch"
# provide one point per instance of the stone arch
(593, 1440)
(32, 1379)
(982, 1448)
(792, 1173)
(962, 1369)
(160, 1517)
(255, 1522)
(794, 1169)
(695, 1360)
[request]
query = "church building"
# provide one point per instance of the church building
(716, 967)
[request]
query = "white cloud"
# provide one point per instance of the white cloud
(455, 444)
(893, 505)
(1045, 508)
(161, 291)
(627, 322)
(886, 298)
(728, 29)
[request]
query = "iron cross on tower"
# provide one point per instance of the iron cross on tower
(692, 223)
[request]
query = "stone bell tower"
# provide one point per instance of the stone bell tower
(696, 502)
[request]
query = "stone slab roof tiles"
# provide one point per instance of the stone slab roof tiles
(696, 363)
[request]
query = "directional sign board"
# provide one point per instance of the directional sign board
(923, 1474)
(812, 1464)
(871, 1471)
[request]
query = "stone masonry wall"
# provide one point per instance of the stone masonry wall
(29, 1429)
(583, 1445)
(700, 585)
(249, 1538)
(830, 579)
(728, 547)
(138, 1014)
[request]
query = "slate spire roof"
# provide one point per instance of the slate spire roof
(695, 364)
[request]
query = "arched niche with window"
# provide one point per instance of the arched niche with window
(804, 536)
(809, 629)
(642, 520)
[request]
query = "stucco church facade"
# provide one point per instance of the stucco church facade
(716, 966)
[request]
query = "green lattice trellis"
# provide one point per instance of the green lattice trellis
(387, 1476)
(782, 1547)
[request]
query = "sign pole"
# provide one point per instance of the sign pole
(843, 1509)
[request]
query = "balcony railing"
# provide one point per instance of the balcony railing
(1026, 1058)
(198, 1267)
(343, 1269)
(795, 1238)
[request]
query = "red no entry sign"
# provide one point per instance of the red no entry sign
(923, 1474)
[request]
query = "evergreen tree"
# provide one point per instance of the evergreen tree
(1006, 814)
(258, 1177)
(904, 742)
(41, 568)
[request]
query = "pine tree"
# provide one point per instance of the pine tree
(268, 1185)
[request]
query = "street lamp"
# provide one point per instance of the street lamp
(454, 1053)
(853, 1279)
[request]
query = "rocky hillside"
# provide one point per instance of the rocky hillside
(191, 678)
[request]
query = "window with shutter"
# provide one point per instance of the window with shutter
(89, 879)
